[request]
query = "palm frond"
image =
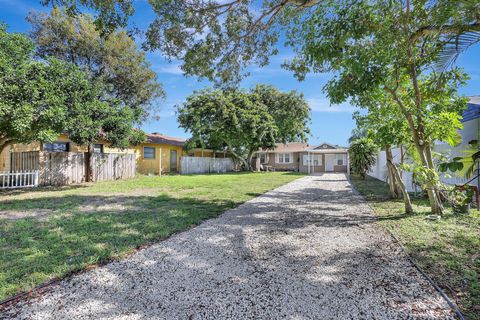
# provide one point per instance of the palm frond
(454, 46)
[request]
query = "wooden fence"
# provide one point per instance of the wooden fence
(63, 168)
(191, 165)
(113, 166)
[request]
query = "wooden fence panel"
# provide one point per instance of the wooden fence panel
(61, 168)
(24, 161)
(196, 165)
(113, 166)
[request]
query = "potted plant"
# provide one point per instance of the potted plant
(460, 199)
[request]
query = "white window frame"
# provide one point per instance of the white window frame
(260, 154)
(341, 156)
(312, 158)
(280, 157)
(154, 152)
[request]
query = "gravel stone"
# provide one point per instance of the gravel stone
(308, 250)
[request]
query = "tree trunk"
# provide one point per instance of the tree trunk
(88, 163)
(392, 183)
(249, 159)
(419, 142)
(432, 189)
(4, 143)
(401, 186)
(240, 158)
(426, 155)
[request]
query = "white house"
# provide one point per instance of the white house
(470, 131)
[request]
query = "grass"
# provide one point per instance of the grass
(448, 249)
(60, 231)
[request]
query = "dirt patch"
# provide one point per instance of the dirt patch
(40, 214)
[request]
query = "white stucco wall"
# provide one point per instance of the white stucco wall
(469, 132)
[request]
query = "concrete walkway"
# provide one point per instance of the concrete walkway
(307, 250)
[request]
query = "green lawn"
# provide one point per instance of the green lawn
(48, 233)
(448, 249)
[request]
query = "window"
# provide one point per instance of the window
(98, 148)
(263, 157)
(340, 159)
(284, 158)
(314, 159)
(56, 147)
(148, 153)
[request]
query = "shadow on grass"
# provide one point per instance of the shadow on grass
(259, 270)
(83, 230)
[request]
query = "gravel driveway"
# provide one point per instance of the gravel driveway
(307, 250)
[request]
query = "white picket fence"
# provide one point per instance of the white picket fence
(19, 179)
(195, 165)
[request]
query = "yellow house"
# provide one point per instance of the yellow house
(61, 144)
(159, 154)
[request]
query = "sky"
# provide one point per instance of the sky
(329, 123)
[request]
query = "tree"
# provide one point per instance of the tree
(39, 100)
(244, 122)
(111, 13)
(289, 110)
(369, 45)
(113, 59)
(386, 45)
(387, 128)
(362, 156)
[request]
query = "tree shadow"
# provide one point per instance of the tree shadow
(259, 260)
(286, 254)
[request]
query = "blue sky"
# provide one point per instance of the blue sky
(329, 123)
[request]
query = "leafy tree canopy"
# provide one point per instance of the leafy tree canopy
(41, 99)
(244, 122)
(111, 13)
(114, 59)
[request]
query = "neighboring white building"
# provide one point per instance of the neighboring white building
(470, 131)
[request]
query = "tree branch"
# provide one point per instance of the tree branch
(444, 30)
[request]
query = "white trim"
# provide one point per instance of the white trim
(309, 159)
(267, 158)
(290, 158)
(330, 161)
(343, 158)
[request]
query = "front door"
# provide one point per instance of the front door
(173, 160)
(329, 162)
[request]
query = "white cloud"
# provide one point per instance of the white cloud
(169, 68)
(321, 104)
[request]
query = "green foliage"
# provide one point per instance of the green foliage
(289, 110)
(113, 59)
(362, 156)
(111, 13)
(217, 39)
(244, 122)
(41, 99)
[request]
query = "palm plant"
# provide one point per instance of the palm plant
(459, 38)
(362, 156)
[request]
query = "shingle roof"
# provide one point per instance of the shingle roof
(290, 147)
(473, 109)
(162, 139)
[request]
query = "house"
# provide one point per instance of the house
(470, 131)
(301, 157)
(61, 144)
(159, 154)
